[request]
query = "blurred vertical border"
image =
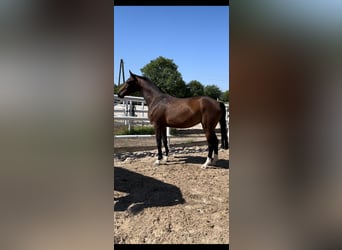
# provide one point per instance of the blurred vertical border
(56, 94)
(285, 124)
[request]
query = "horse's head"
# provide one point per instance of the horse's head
(130, 86)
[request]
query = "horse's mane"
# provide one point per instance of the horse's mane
(150, 82)
(144, 77)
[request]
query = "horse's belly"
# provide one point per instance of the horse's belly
(182, 121)
(183, 125)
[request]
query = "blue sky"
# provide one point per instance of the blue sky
(196, 38)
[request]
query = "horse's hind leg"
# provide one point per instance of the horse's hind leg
(212, 147)
(216, 142)
(161, 137)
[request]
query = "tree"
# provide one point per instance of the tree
(163, 72)
(225, 96)
(212, 91)
(195, 88)
(116, 88)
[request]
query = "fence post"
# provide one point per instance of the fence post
(128, 114)
(168, 135)
(126, 110)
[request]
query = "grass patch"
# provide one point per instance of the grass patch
(173, 131)
(135, 130)
(139, 130)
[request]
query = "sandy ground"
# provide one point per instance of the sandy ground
(176, 202)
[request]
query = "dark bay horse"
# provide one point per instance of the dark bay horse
(168, 111)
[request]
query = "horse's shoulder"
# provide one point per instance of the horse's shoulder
(161, 99)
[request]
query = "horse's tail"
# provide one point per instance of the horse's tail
(223, 125)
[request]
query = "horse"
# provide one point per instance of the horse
(165, 110)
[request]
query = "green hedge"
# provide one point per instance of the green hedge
(139, 130)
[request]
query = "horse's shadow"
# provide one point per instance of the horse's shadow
(143, 192)
(221, 163)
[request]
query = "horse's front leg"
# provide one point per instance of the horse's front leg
(164, 138)
(159, 145)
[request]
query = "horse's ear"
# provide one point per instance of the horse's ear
(132, 75)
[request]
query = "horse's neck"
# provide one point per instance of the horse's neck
(150, 92)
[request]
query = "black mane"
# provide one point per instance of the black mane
(150, 82)
(144, 77)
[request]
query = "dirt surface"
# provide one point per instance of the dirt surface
(176, 202)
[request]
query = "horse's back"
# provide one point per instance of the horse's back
(201, 104)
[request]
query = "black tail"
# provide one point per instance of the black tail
(223, 125)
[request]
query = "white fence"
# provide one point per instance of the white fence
(130, 109)
(133, 108)
(123, 107)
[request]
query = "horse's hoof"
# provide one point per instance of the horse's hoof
(156, 163)
(213, 162)
(165, 158)
(204, 166)
(207, 163)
